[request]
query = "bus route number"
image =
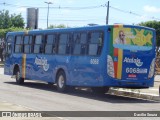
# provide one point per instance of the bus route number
(94, 61)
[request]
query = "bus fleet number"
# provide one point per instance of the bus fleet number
(94, 61)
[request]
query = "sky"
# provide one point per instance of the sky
(76, 13)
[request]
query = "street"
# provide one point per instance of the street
(40, 96)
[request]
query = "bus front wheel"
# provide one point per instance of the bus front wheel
(19, 79)
(61, 81)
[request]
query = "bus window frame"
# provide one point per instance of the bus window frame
(103, 40)
(7, 44)
(41, 45)
(15, 40)
(53, 44)
(29, 43)
(69, 43)
(80, 43)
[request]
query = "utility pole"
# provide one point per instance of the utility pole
(107, 16)
(48, 11)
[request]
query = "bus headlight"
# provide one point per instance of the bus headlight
(110, 66)
(151, 70)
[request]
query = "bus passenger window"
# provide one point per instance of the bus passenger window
(27, 45)
(77, 45)
(64, 44)
(83, 41)
(8, 48)
(18, 44)
(95, 43)
(50, 44)
(38, 45)
(100, 43)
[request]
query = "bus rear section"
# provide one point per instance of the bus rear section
(131, 57)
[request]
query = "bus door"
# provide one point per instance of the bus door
(8, 55)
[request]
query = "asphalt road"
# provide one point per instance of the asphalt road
(43, 97)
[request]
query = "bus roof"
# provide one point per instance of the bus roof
(99, 27)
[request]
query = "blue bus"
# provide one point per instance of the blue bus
(96, 56)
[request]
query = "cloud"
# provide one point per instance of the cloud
(151, 9)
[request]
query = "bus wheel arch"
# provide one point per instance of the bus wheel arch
(16, 68)
(18, 77)
(61, 80)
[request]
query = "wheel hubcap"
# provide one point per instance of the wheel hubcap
(61, 81)
(17, 76)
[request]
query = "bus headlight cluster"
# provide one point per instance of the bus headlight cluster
(151, 70)
(110, 66)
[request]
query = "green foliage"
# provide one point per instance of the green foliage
(13, 20)
(17, 21)
(57, 26)
(156, 26)
(3, 32)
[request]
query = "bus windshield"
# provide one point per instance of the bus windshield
(132, 38)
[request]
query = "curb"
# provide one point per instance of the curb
(138, 95)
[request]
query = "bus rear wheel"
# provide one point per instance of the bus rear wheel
(61, 81)
(19, 79)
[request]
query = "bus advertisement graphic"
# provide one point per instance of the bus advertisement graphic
(129, 46)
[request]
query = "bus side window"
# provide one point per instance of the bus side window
(100, 43)
(69, 44)
(18, 44)
(26, 44)
(8, 48)
(50, 44)
(76, 44)
(64, 44)
(83, 41)
(31, 44)
(95, 40)
(38, 44)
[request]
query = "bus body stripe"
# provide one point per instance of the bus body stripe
(115, 61)
(120, 58)
(24, 66)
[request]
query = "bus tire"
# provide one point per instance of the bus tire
(19, 79)
(61, 81)
(100, 90)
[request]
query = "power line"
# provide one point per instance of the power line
(83, 8)
(59, 7)
(132, 13)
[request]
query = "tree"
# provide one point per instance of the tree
(17, 21)
(57, 26)
(5, 21)
(156, 26)
(3, 32)
(13, 20)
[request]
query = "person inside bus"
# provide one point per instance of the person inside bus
(121, 38)
(100, 40)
